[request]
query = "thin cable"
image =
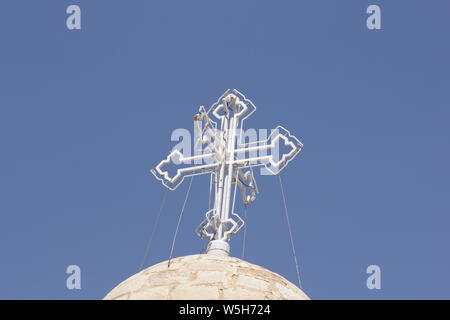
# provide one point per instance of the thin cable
(245, 232)
(179, 220)
(155, 226)
(290, 232)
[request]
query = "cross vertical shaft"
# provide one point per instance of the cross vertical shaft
(219, 244)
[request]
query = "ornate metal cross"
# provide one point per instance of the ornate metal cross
(225, 155)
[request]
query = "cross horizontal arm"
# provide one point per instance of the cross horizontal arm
(274, 162)
(173, 182)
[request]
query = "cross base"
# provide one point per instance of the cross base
(218, 247)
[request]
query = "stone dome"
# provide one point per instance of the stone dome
(206, 277)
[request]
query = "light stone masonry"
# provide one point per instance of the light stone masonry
(206, 277)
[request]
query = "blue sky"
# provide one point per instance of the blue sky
(85, 114)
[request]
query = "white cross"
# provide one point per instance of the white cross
(225, 158)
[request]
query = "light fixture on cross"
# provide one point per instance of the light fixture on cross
(226, 156)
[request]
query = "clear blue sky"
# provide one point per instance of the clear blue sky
(85, 114)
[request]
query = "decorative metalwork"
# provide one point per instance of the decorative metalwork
(225, 155)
